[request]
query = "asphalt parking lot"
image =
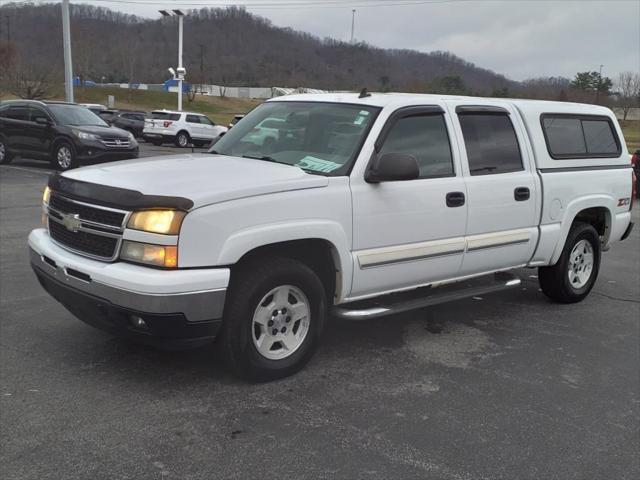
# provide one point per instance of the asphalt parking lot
(510, 386)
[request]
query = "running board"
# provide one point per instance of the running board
(425, 297)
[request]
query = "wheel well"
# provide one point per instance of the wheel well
(58, 141)
(319, 255)
(598, 217)
(183, 131)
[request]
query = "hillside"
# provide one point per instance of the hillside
(238, 49)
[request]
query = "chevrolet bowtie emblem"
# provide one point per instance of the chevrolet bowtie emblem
(72, 222)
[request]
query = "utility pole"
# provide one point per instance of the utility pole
(598, 87)
(353, 24)
(180, 72)
(180, 68)
(66, 42)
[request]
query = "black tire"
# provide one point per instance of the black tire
(157, 143)
(554, 280)
(182, 139)
(57, 164)
(250, 283)
(5, 155)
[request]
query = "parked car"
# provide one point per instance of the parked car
(635, 163)
(181, 128)
(107, 115)
(94, 107)
(130, 121)
(65, 134)
(236, 119)
(425, 199)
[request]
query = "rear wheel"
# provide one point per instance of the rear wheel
(572, 278)
(182, 140)
(274, 316)
(64, 157)
(5, 156)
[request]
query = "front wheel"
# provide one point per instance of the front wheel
(5, 156)
(64, 157)
(572, 278)
(182, 140)
(274, 316)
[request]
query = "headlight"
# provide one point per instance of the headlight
(46, 195)
(167, 222)
(85, 135)
(158, 255)
(131, 136)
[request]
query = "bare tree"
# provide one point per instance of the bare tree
(29, 83)
(628, 87)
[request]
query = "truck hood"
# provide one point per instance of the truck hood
(202, 178)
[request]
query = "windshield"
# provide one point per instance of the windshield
(318, 137)
(75, 115)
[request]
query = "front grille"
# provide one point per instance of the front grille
(91, 214)
(116, 143)
(91, 230)
(81, 241)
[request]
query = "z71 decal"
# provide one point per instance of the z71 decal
(623, 202)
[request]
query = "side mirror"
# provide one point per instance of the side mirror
(393, 167)
(42, 121)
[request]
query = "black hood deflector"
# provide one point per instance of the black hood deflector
(114, 197)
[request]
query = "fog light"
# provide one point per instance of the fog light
(138, 322)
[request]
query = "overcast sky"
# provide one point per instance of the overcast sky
(520, 39)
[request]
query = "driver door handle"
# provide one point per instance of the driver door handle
(455, 199)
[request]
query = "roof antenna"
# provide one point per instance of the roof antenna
(364, 93)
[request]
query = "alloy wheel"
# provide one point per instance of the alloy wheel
(281, 322)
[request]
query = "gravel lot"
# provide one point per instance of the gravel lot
(508, 386)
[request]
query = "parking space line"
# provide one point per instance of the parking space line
(30, 170)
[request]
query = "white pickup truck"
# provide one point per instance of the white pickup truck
(359, 206)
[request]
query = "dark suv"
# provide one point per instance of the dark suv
(130, 121)
(66, 134)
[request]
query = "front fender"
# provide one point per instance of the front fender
(244, 241)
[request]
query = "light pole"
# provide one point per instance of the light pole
(66, 44)
(180, 72)
(353, 23)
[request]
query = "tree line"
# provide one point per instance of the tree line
(232, 47)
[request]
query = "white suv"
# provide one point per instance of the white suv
(181, 128)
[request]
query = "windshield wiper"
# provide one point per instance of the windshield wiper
(266, 158)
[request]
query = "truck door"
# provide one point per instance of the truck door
(411, 232)
(502, 191)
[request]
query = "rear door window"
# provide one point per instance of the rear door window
(491, 143)
(18, 113)
(193, 119)
(580, 136)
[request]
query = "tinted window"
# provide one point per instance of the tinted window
(565, 136)
(599, 137)
(206, 121)
(165, 116)
(138, 117)
(425, 137)
(579, 136)
(491, 143)
(37, 113)
(18, 113)
(193, 119)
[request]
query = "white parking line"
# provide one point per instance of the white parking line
(30, 170)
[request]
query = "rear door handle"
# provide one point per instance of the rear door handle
(455, 199)
(521, 194)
